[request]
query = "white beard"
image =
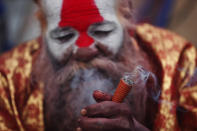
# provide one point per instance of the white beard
(68, 101)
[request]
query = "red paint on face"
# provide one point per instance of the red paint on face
(80, 14)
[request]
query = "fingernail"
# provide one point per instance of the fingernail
(99, 91)
(83, 112)
(78, 129)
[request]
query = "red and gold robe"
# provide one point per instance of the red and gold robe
(21, 101)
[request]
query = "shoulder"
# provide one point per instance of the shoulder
(19, 57)
(15, 88)
(159, 36)
(171, 50)
(165, 44)
(16, 66)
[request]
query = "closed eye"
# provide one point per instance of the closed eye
(101, 33)
(63, 35)
(65, 38)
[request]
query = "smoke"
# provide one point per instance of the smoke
(68, 100)
(145, 90)
(86, 82)
(70, 89)
(144, 80)
(63, 102)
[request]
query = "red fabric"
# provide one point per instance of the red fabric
(83, 11)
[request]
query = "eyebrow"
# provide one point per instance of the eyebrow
(61, 29)
(67, 28)
(103, 23)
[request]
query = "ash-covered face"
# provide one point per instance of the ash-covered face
(75, 24)
(83, 28)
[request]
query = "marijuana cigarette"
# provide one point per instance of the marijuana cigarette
(123, 88)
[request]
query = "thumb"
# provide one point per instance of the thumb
(100, 96)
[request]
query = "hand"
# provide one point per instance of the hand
(106, 115)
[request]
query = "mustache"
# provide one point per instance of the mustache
(46, 67)
(111, 68)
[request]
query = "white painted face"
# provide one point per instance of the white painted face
(81, 23)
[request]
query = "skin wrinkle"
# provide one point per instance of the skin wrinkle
(67, 88)
(120, 6)
(53, 81)
(57, 51)
(81, 12)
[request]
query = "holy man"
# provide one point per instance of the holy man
(65, 79)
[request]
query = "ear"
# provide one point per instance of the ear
(41, 16)
(125, 13)
(125, 8)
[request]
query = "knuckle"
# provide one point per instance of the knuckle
(125, 106)
(88, 108)
(125, 124)
(125, 109)
(92, 108)
(99, 125)
(110, 104)
(104, 105)
(106, 102)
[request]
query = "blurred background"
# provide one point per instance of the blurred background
(18, 22)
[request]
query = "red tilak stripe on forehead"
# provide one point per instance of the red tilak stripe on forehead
(80, 14)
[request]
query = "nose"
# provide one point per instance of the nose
(86, 54)
(84, 40)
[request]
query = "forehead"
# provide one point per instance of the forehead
(53, 8)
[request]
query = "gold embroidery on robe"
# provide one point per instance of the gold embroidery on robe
(21, 105)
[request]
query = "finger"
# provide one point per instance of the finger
(83, 112)
(79, 129)
(100, 96)
(108, 109)
(139, 126)
(104, 124)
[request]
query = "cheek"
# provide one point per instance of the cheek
(59, 51)
(113, 42)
